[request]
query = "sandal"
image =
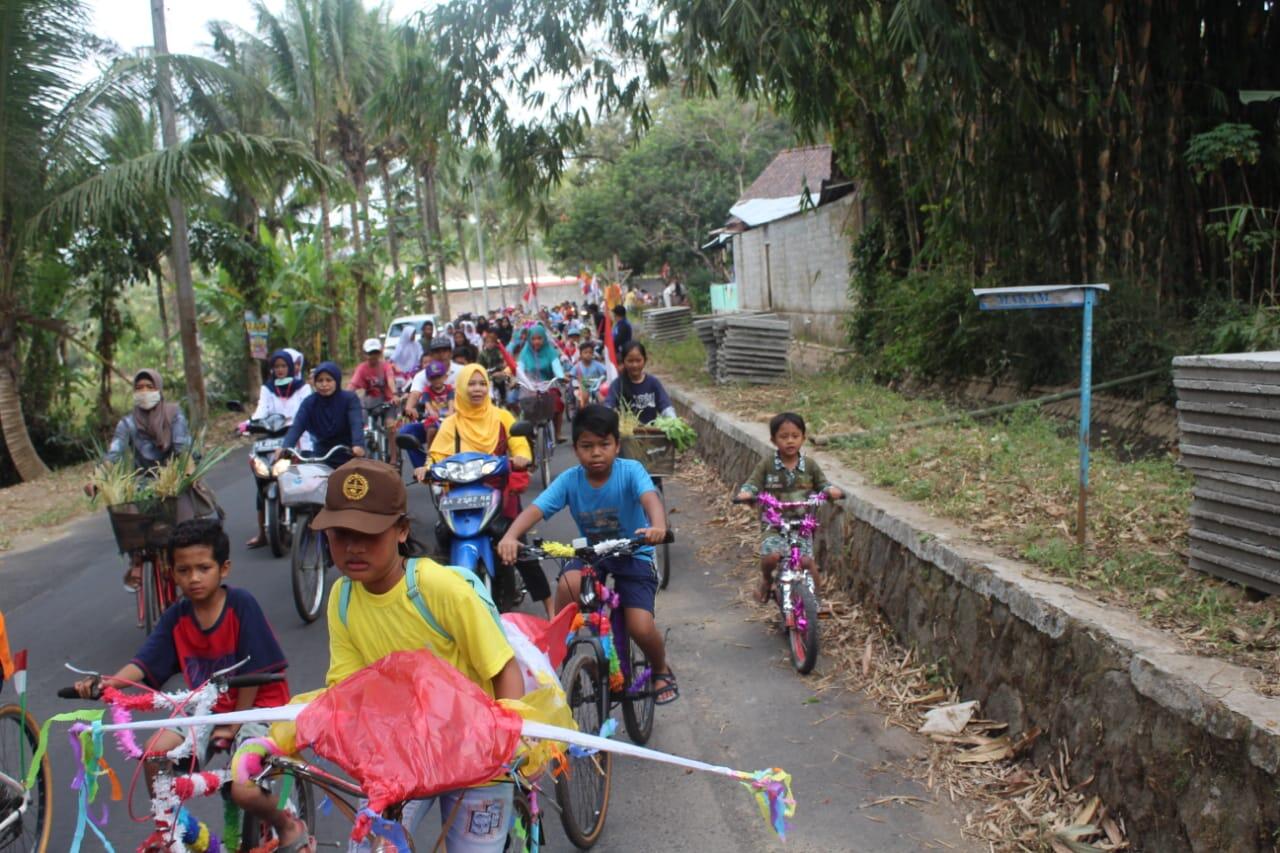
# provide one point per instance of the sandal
(304, 843)
(258, 541)
(668, 679)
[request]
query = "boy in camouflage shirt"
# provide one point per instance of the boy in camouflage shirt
(788, 475)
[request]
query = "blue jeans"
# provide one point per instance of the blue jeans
(419, 431)
(480, 822)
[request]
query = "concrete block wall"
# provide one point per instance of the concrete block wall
(808, 276)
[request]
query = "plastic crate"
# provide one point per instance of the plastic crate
(537, 409)
(653, 450)
(137, 526)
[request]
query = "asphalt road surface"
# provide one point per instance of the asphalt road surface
(740, 705)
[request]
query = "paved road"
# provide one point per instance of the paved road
(741, 705)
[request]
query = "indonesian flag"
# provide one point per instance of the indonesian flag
(530, 291)
(507, 357)
(610, 357)
(20, 674)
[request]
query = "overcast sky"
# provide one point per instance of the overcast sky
(128, 22)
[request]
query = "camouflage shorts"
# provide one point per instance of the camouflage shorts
(775, 544)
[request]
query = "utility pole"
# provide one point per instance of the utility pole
(179, 249)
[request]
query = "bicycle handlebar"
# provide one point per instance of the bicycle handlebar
(599, 551)
(293, 451)
(253, 679)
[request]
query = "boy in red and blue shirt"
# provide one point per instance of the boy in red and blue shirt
(210, 628)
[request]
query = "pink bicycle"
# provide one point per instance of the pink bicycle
(792, 583)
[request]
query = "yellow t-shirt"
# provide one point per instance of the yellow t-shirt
(378, 625)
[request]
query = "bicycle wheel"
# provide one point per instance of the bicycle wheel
(662, 553)
(153, 584)
(546, 447)
(802, 633)
(308, 565)
(637, 712)
(582, 791)
(525, 834)
(18, 737)
(277, 530)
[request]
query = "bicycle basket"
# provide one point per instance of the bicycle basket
(304, 484)
(537, 409)
(142, 525)
(653, 450)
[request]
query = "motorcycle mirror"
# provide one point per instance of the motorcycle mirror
(408, 442)
(234, 406)
(522, 429)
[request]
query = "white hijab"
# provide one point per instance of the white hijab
(408, 352)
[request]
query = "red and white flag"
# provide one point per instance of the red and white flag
(20, 673)
(530, 292)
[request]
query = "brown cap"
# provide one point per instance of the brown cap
(364, 496)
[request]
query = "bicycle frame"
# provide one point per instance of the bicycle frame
(19, 790)
(796, 531)
(174, 828)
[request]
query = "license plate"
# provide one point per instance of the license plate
(465, 502)
(266, 444)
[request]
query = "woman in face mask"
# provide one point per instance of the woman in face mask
(282, 394)
(153, 432)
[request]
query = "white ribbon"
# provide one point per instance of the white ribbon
(541, 731)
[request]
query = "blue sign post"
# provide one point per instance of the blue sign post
(1081, 296)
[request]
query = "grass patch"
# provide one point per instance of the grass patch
(1012, 481)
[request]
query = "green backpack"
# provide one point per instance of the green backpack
(415, 595)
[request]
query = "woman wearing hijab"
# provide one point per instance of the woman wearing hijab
(332, 416)
(282, 395)
(407, 356)
(153, 432)
(538, 367)
(479, 426)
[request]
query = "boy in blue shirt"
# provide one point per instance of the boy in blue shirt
(590, 375)
(609, 498)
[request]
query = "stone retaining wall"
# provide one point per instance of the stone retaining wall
(1180, 745)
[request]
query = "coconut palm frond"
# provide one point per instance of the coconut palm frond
(183, 171)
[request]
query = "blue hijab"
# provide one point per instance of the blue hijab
(284, 391)
(540, 364)
(328, 414)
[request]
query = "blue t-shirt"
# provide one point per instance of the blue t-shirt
(647, 397)
(590, 376)
(612, 511)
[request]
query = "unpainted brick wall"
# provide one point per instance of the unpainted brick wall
(808, 276)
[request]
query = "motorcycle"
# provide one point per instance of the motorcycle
(278, 517)
(467, 491)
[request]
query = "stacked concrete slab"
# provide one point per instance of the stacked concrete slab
(667, 324)
(1229, 420)
(749, 348)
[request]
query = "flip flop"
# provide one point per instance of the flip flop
(256, 542)
(668, 679)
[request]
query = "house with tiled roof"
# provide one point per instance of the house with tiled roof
(791, 235)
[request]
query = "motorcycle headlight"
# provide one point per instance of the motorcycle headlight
(280, 467)
(440, 471)
(259, 467)
(489, 467)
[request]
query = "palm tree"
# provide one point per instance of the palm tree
(46, 151)
(296, 45)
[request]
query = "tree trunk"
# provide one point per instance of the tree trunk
(180, 250)
(393, 239)
(16, 438)
(164, 323)
(358, 273)
(331, 330)
(430, 196)
(424, 238)
(462, 248)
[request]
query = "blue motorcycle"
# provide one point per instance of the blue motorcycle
(467, 490)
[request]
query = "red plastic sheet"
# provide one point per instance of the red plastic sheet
(547, 636)
(410, 726)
